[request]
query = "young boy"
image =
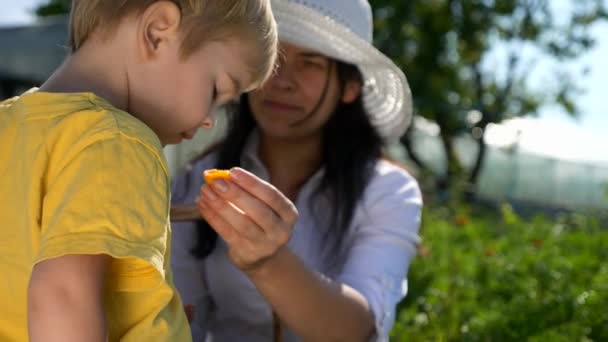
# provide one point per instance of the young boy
(84, 188)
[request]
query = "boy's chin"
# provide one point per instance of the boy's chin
(177, 139)
(172, 140)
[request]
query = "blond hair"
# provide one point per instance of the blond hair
(202, 20)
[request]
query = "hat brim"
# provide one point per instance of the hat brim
(386, 93)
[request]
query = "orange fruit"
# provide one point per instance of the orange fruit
(214, 174)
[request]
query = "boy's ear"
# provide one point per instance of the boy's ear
(352, 90)
(159, 25)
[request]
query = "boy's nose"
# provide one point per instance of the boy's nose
(209, 122)
(210, 119)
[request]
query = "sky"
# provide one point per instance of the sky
(552, 134)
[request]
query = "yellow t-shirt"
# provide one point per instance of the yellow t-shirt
(78, 176)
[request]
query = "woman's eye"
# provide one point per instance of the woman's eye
(314, 64)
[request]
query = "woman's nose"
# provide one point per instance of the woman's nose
(284, 77)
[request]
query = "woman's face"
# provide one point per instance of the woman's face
(301, 97)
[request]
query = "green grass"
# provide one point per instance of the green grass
(483, 276)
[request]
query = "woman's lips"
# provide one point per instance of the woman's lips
(279, 106)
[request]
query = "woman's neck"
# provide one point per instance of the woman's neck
(290, 163)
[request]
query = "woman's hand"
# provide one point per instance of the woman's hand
(252, 216)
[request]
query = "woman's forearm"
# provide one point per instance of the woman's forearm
(256, 220)
(315, 308)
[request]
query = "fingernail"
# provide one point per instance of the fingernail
(235, 174)
(209, 194)
(221, 185)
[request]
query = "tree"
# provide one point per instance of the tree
(53, 7)
(444, 48)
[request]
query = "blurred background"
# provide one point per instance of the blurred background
(509, 144)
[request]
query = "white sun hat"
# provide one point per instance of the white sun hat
(343, 30)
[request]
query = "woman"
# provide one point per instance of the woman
(335, 268)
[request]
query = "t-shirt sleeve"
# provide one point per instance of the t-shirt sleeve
(106, 196)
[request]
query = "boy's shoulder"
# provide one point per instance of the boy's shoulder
(82, 117)
(96, 117)
(68, 125)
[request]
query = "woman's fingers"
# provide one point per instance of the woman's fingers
(267, 193)
(217, 222)
(259, 212)
(251, 215)
(231, 215)
(248, 245)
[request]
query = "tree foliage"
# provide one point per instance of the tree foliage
(469, 62)
(53, 7)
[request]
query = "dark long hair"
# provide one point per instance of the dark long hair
(350, 147)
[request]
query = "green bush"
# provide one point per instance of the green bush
(488, 277)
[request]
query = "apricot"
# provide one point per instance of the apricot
(215, 174)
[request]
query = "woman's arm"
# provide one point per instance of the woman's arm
(65, 299)
(314, 307)
(382, 246)
(256, 220)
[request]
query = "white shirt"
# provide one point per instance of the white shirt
(375, 255)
